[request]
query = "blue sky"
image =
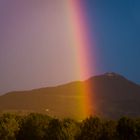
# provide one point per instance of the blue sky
(116, 26)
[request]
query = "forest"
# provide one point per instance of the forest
(36, 126)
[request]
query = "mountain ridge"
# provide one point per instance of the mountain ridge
(114, 96)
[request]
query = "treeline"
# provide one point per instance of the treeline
(42, 127)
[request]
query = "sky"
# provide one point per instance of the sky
(35, 47)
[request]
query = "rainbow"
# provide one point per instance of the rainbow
(79, 32)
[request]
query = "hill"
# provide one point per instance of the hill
(114, 96)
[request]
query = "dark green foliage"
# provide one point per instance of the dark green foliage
(33, 127)
(108, 130)
(91, 129)
(61, 130)
(72, 128)
(55, 131)
(126, 129)
(137, 124)
(41, 127)
(9, 127)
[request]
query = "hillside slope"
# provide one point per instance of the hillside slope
(114, 96)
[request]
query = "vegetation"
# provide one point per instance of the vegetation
(42, 127)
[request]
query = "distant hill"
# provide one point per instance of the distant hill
(114, 96)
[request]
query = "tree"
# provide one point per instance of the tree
(91, 129)
(9, 127)
(71, 128)
(55, 131)
(33, 127)
(137, 124)
(126, 129)
(108, 130)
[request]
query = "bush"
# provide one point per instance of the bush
(126, 129)
(9, 127)
(33, 127)
(71, 128)
(90, 129)
(41, 127)
(108, 130)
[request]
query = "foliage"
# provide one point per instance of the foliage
(42, 127)
(126, 129)
(72, 128)
(137, 125)
(33, 127)
(108, 130)
(9, 127)
(91, 129)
